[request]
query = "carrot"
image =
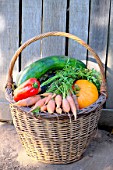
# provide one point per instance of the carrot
(53, 95)
(58, 100)
(45, 94)
(75, 101)
(43, 108)
(39, 104)
(58, 110)
(28, 101)
(65, 105)
(48, 98)
(72, 105)
(51, 106)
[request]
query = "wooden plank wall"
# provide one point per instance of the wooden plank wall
(109, 71)
(54, 19)
(9, 42)
(91, 20)
(31, 26)
(78, 25)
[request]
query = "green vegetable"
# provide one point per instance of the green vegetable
(63, 80)
(91, 75)
(40, 67)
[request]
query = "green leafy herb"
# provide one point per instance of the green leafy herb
(62, 81)
(36, 111)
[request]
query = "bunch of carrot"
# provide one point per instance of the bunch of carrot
(51, 103)
(59, 96)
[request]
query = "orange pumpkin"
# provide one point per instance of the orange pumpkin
(87, 93)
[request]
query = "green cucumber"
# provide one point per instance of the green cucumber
(38, 68)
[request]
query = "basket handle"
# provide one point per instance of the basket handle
(103, 88)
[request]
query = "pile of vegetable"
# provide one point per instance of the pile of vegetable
(70, 87)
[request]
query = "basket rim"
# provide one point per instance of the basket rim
(82, 112)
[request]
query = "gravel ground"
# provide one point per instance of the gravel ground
(98, 156)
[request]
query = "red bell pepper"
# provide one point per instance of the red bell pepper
(29, 88)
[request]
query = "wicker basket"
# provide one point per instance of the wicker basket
(55, 139)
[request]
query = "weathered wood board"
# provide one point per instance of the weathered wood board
(31, 26)
(98, 28)
(106, 119)
(9, 41)
(109, 103)
(98, 32)
(54, 19)
(78, 25)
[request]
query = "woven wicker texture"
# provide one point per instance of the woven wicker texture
(54, 138)
(55, 141)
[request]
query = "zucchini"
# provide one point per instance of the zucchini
(41, 66)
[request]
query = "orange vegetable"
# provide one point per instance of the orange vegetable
(43, 108)
(88, 93)
(58, 100)
(53, 95)
(65, 105)
(45, 94)
(49, 97)
(58, 110)
(72, 105)
(28, 101)
(51, 106)
(75, 101)
(39, 104)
